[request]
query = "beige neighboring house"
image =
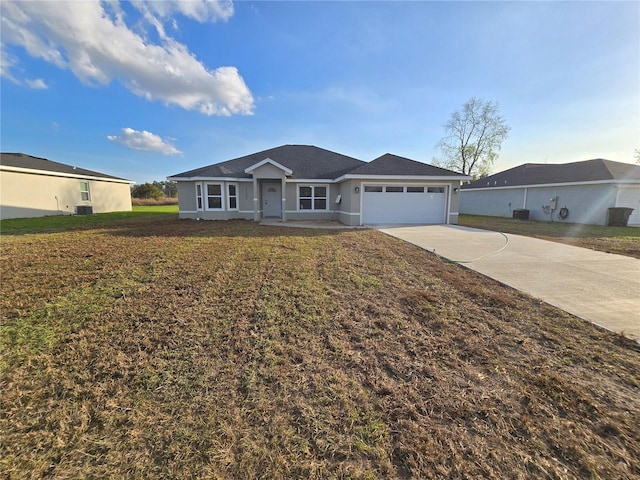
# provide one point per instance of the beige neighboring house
(37, 187)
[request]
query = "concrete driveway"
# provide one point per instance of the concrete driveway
(602, 288)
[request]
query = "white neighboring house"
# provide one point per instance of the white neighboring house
(36, 187)
(577, 192)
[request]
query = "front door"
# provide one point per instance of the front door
(271, 200)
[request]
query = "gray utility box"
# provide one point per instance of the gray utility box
(521, 213)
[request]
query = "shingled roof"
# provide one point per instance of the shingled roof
(305, 161)
(389, 164)
(22, 160)
(576, 172)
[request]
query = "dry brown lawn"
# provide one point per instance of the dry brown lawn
(177, 349)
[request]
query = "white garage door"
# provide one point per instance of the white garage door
(384, 204)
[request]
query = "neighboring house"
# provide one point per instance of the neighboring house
(578, 192)
(36, 187)
(302, 182)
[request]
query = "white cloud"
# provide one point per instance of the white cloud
(92, 40)
(7, 61)
(144, 141)
(200, 10)
(37, 83)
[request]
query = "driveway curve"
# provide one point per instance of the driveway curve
(602, 288)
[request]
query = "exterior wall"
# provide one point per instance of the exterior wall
(347, 211)
(186, 198)
(497, 203)
(109, 197)
(587, 204)
(454, 202)
(34, 195)
(188, 207)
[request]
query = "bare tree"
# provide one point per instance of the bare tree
(636, 155)
(473, 138)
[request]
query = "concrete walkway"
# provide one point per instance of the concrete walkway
(602, 288)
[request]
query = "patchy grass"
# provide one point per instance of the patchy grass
(180, 349)
(54, 223)
(620, 240)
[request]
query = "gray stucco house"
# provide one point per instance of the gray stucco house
(577, 192)
(36, 187)
(304, 182)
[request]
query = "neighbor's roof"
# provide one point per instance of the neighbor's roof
(389, 164)
(575, 172)
(24, 161)
(310, 162)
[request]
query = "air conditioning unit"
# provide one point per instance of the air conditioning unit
(84, 210)
(521, 213)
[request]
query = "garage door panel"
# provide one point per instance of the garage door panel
(403, 207)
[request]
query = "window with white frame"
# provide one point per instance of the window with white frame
(313, 197)
(84, 191)
(232, 196)
(214, 196)
(199, 196)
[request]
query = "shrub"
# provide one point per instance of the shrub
(147, 190)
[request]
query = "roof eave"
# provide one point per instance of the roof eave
(200, 178)
(559, 184)
(351, 176)
(52, 173)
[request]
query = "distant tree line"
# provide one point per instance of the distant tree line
(155, 190)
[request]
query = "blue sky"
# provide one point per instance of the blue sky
(143, 90)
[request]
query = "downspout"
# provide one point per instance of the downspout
(256, 213)
(524, 203)
(448, 207)
(283, 186)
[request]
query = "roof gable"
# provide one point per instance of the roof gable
(28, 162)
(389, 164)
(575, 172)
(250, 169)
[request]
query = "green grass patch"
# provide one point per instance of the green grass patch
(16, 226)
(547, 229)
(151, 209)
(618, 240)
